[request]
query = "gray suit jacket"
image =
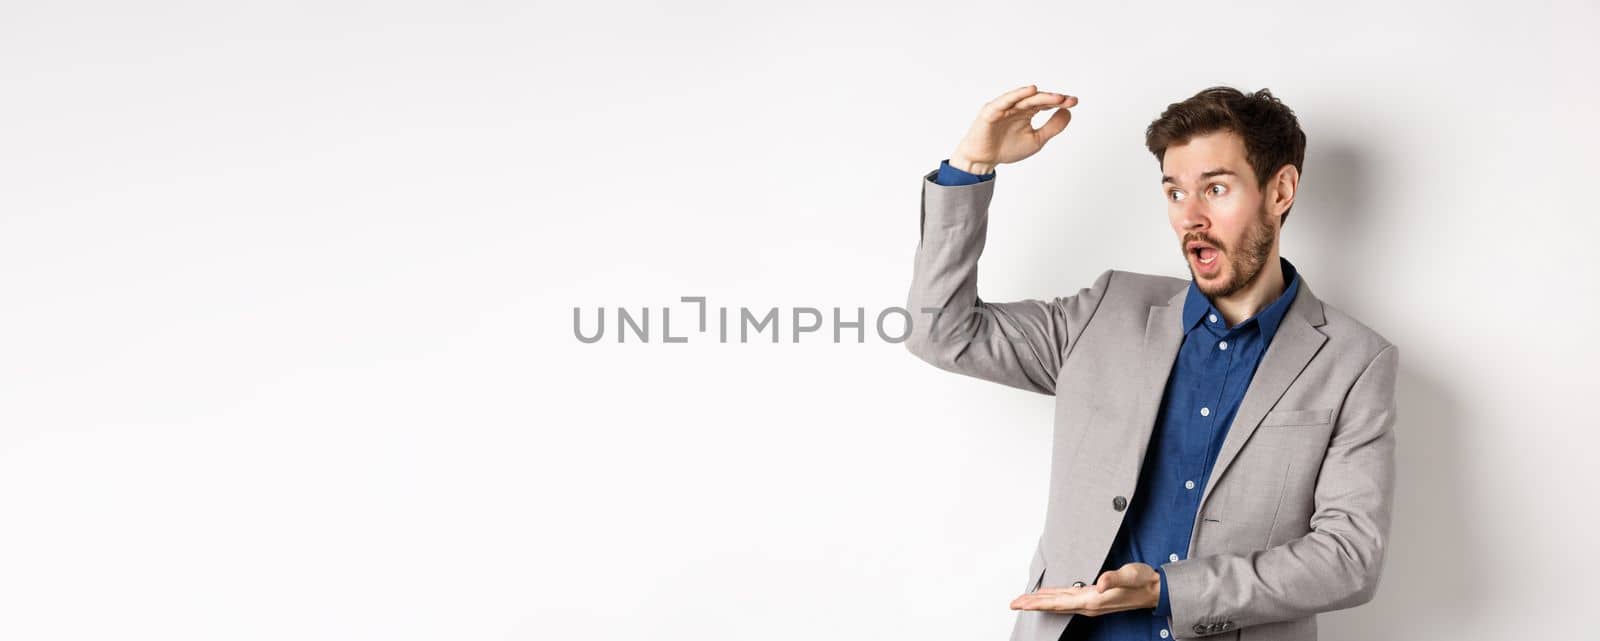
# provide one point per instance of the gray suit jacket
(1295, 517)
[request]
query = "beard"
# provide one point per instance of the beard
(1244, 266)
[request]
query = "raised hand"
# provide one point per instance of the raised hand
(1003, 131)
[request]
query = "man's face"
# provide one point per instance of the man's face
(1218, 212)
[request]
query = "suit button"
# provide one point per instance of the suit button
(1119, 504)
(1200, 628)
(1078, 584)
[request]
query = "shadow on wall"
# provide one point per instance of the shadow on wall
(1430, 570)
(1430, 566)
(1331, 228)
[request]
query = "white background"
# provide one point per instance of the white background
(286, 345)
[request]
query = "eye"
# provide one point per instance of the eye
(1175, 195)
(1217, 189)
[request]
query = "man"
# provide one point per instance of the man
(1223, 457)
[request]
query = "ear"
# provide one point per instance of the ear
(1281, 189)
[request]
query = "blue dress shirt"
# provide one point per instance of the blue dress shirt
(1208, 380)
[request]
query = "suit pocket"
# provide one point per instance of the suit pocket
(1294, 418)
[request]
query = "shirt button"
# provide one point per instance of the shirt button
(1172, 557)
(1205, 411)
(1163, 633)
(1212, 318)
(1188, 485)
(1222, 345)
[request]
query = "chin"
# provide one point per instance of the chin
(1213, 286)
(1212, 282)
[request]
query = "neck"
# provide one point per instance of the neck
(1247, 302)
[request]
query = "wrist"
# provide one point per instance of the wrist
(970, 166)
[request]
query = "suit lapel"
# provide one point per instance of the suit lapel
(1296, 342)
(1163, 335)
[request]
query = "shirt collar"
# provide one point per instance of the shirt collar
(1196, 305)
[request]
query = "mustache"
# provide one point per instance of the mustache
(1202, 237)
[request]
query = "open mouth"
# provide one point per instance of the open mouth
(1203, 253)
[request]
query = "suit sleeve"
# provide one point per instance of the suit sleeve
(1021, 343)
(1337, 564)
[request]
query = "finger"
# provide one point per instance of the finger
(1106, 581)
(1051, 593)
(1040, 100)
(1021, 602)
(1008, 99)
(1057, 602)
(1056, 124)
(1063, 589)
(1123, 577)
(1126, 576)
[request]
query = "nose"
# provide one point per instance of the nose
(1194, 215)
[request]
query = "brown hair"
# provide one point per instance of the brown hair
(1272, 135)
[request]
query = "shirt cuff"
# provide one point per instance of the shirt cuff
(1164, 605)
(952, 177)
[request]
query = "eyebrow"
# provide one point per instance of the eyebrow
(1203, 175)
